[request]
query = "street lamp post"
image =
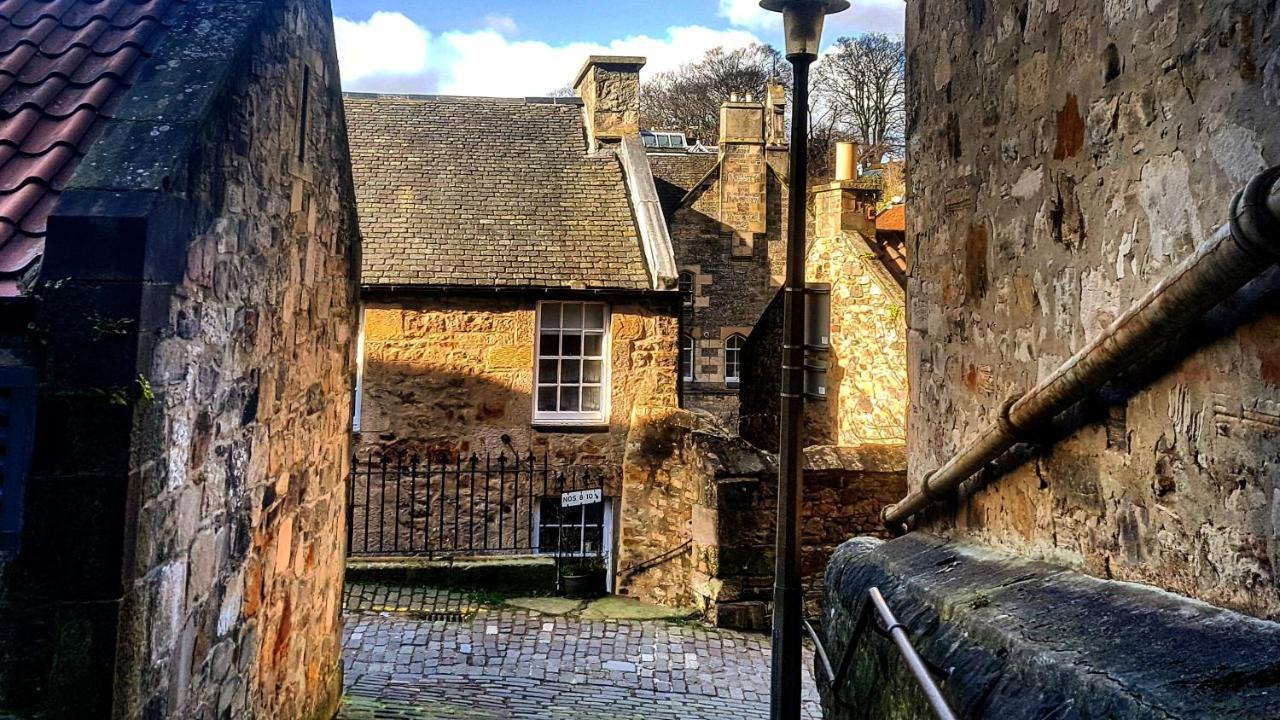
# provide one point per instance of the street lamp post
(802, 21)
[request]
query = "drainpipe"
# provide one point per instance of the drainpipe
(1237, 253)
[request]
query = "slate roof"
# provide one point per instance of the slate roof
(64, 65)
(488, 192)
(675, 174)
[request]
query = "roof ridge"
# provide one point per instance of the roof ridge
(531, 100)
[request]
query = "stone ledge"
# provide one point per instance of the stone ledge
(1029, 639)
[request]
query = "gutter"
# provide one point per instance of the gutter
(1241, 250)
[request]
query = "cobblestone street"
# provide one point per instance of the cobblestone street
(505, 662)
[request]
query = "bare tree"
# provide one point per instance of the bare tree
(862, 84)
(688, 98)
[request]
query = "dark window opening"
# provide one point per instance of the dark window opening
(571, 531)
(303, 112)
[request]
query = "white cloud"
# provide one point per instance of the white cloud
(886, 16)
(504, 24)
(748, 13)
(387, 44)
(489, 62)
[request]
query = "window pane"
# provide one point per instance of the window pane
(547, 372)
(568, 399)
(595, 513)
(591, 540)
(572, 539)
(548, 537)
(591, 399)
(591, 371)
(547, 399)
(551, 315)
(593, 345)
(572, 346)
(573, 315)
(550, 345)
(573, 515)
(570, 371)
(595, 316)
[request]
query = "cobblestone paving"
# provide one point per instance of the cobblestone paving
(507, 663)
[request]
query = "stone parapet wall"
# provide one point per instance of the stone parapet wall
(699, 512)
(1024, 639)
(1064, 157)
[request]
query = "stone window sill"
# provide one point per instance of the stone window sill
(571, 429)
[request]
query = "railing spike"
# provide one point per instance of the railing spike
(475, 460)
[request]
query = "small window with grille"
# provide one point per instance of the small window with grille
(572, 372)
(17, 432)
(573, 531)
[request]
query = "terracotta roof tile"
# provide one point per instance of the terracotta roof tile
(64, 65)
(890, 241)
(893, 219)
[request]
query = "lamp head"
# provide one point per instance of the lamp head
(802, 21)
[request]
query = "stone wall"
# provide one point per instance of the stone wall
(184, 530)
(456, 374)
(866, 357)
(730, 292)
(731, 235)
(1025, 639)
(1064, 157)
(699, 510)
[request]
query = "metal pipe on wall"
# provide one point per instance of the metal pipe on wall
(1237, 253)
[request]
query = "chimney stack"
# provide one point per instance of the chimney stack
(609, 86)
(849, 202)
(743, 168)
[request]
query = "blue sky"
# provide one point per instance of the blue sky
(531, 47)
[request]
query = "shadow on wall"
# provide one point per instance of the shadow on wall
(413, 409)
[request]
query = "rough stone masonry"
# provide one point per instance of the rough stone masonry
(196, 400)
(1064, 156)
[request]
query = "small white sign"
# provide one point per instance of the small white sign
(581, 497)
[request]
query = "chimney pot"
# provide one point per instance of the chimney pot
(846, 161)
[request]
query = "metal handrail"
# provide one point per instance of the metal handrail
(1238, 252)
(888, 627)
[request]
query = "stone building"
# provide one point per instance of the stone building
(727, 219)
(519, 289)
(855, 336)
(1055, 181)
(177, 235)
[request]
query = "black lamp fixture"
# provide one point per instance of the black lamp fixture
(802, 23)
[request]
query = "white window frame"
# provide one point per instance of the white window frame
(557, 417)
(686, 364)
(735, 379)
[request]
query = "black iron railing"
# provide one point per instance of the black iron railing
(451, 505)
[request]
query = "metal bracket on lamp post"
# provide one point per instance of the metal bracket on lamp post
(802, 21)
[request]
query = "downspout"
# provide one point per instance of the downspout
(1238, 252)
